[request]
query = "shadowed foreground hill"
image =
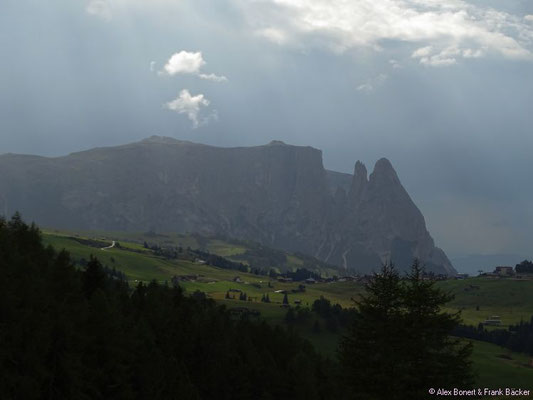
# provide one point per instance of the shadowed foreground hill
(67, 334)
(277, 194)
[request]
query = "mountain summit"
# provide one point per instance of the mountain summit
(276, 194)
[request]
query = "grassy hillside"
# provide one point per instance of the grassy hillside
(245, 252)
(500, 368)
(508, 298)
(138, 263)
(511, 299)
(476, 298)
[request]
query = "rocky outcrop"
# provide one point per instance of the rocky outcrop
(276, 194)
(379, 222)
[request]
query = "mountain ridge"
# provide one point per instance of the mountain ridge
(277, 194)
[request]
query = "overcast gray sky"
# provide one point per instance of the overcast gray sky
(443, 88)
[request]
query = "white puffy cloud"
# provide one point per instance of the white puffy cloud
(186, 62)
(99, 8)
(529, 18)
(454, 29)
(190, 105)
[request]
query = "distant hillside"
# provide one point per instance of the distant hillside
(278, 195)
(147, 256)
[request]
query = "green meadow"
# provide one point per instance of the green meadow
(497, 367)
(482, 297)
(476, 298)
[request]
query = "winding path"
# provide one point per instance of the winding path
(109, 247)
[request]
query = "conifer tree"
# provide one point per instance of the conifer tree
(371, 353)
(400, 341)
(94, 277)
(433, 355)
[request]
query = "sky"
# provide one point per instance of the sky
(442, 88)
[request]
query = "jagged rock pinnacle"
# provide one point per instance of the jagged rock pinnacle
(359, 181)
(384, 172)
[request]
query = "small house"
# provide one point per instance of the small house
(494, 320)
(504, 271)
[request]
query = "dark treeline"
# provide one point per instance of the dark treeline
(222, 262)
(300, 274)
(260, 258)
(111, 272)
(334, 317)
(525, 267)
(264, 258)
(209, 258)
(517, 337)
(68, 333)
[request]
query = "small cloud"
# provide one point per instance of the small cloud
(186, 62)
(190, 105)
(438, 61)
(529, 18)
(395, 64)
(446, 57)
(213, 77)
(422, 52)
(100, 9)
(365, 87)
(152, 66)
(373, 83)
(470, 53)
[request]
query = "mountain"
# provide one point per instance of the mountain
(277, 194)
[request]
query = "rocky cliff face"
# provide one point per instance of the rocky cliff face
(277, 194)
(379, 222)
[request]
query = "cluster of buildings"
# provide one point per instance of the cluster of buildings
(501, 271)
